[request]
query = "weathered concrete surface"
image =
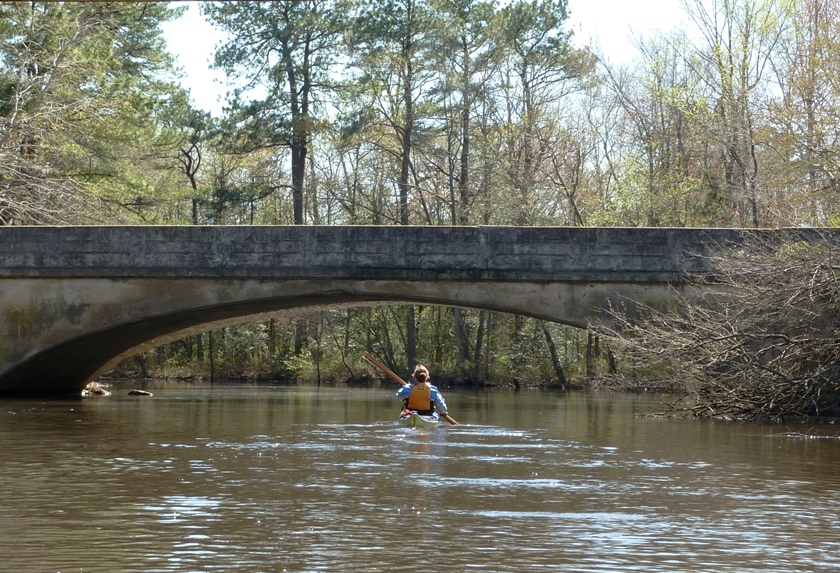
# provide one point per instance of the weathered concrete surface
(352, 252)
(75, 301)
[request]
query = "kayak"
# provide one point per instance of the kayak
(412, 419)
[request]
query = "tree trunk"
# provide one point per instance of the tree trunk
(141, 362)
(461, 338)
(555, 359)
(490, 324)
(298, 173)
(212, 353)
(300, 336)
(438, 337)
(479, 342)
(408, 125)
(463, 181)
(411, 337)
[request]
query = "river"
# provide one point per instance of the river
(279, 479)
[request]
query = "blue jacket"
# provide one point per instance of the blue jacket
(434, 394)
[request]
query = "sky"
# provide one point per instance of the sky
(610, 24)
(192, 40)
(606, 24)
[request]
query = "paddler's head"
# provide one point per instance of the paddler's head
(421, 373)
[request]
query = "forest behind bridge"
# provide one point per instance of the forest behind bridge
(438, 112)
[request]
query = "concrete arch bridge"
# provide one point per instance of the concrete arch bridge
(76, 301)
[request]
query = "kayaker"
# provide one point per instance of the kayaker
(421, 396)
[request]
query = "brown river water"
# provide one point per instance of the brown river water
(269, 479)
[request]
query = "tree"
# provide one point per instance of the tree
(387, 40)
(281, 52)
(539, 68)
(803, 116)
(463, 69)
(80, 83)
(738, 41)
(670, 176)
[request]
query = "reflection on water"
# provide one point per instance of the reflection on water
(299, 480)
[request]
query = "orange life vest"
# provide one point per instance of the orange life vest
(420, 398)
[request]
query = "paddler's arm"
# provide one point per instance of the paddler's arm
(440, 403)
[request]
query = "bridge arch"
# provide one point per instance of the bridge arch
(152, 312)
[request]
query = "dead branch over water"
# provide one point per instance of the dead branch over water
(764, 344)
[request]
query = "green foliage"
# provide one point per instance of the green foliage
(79, 136)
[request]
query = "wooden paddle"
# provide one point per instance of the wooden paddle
(379, 364)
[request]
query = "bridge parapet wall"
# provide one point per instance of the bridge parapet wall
(353, 252)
